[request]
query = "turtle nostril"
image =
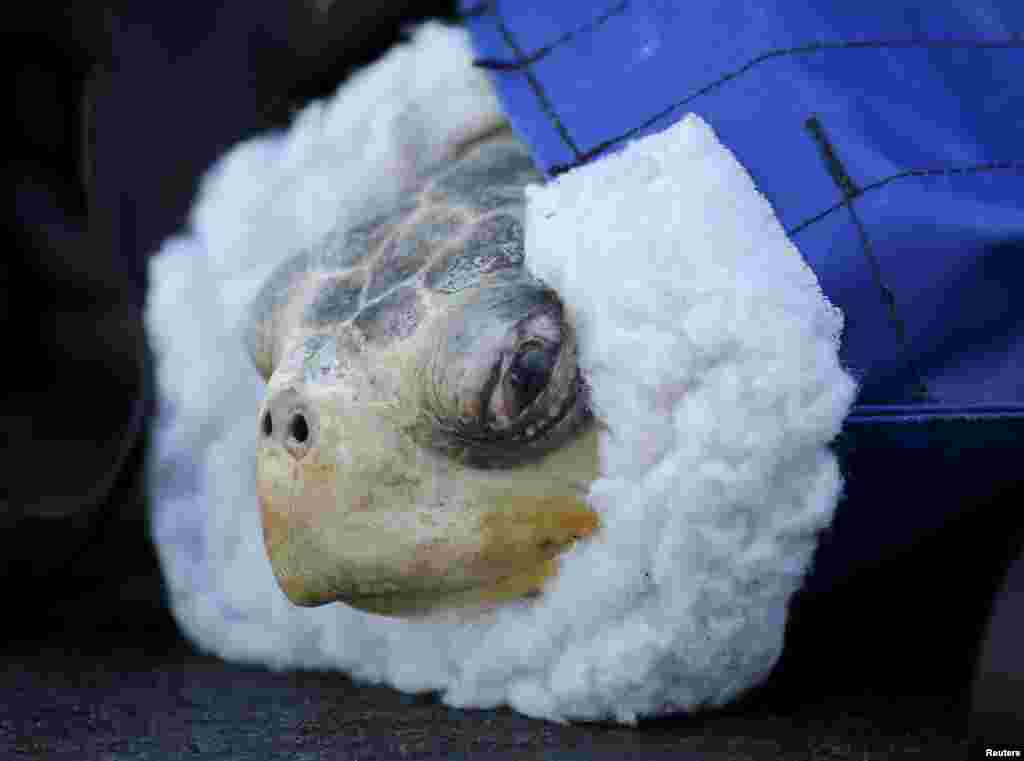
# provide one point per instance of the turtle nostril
(288, 420)
(300, 429)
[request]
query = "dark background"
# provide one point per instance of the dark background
(118, 111)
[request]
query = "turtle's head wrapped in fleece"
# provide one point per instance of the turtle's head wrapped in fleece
(583, 424)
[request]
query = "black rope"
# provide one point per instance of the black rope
(475, 11)
(952, 171)
(521, 62)
(1015, 40)
(538, 89)
(841, 177)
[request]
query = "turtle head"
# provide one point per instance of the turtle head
(443, 468)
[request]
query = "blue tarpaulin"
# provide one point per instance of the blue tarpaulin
(889, 138)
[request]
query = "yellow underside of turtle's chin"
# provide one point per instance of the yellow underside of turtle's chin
(468, 603)
(384, 528)
(521, 542)
(509, 552)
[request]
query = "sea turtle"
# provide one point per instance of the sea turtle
(426, 440)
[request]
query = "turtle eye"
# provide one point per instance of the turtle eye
(529, 373)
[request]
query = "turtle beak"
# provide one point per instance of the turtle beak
(288, 456)
(354, 511)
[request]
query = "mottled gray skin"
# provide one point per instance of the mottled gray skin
(464, 222)
(462, 230)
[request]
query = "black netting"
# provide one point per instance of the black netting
(522, 63)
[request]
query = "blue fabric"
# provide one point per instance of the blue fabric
(889, 138)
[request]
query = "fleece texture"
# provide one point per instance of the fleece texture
(711, 352)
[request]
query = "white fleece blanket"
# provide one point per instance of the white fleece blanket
(712, 355)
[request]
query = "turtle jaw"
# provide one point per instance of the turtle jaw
(365, 516)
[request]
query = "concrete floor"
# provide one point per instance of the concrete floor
(878, 669)
(165, 701)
